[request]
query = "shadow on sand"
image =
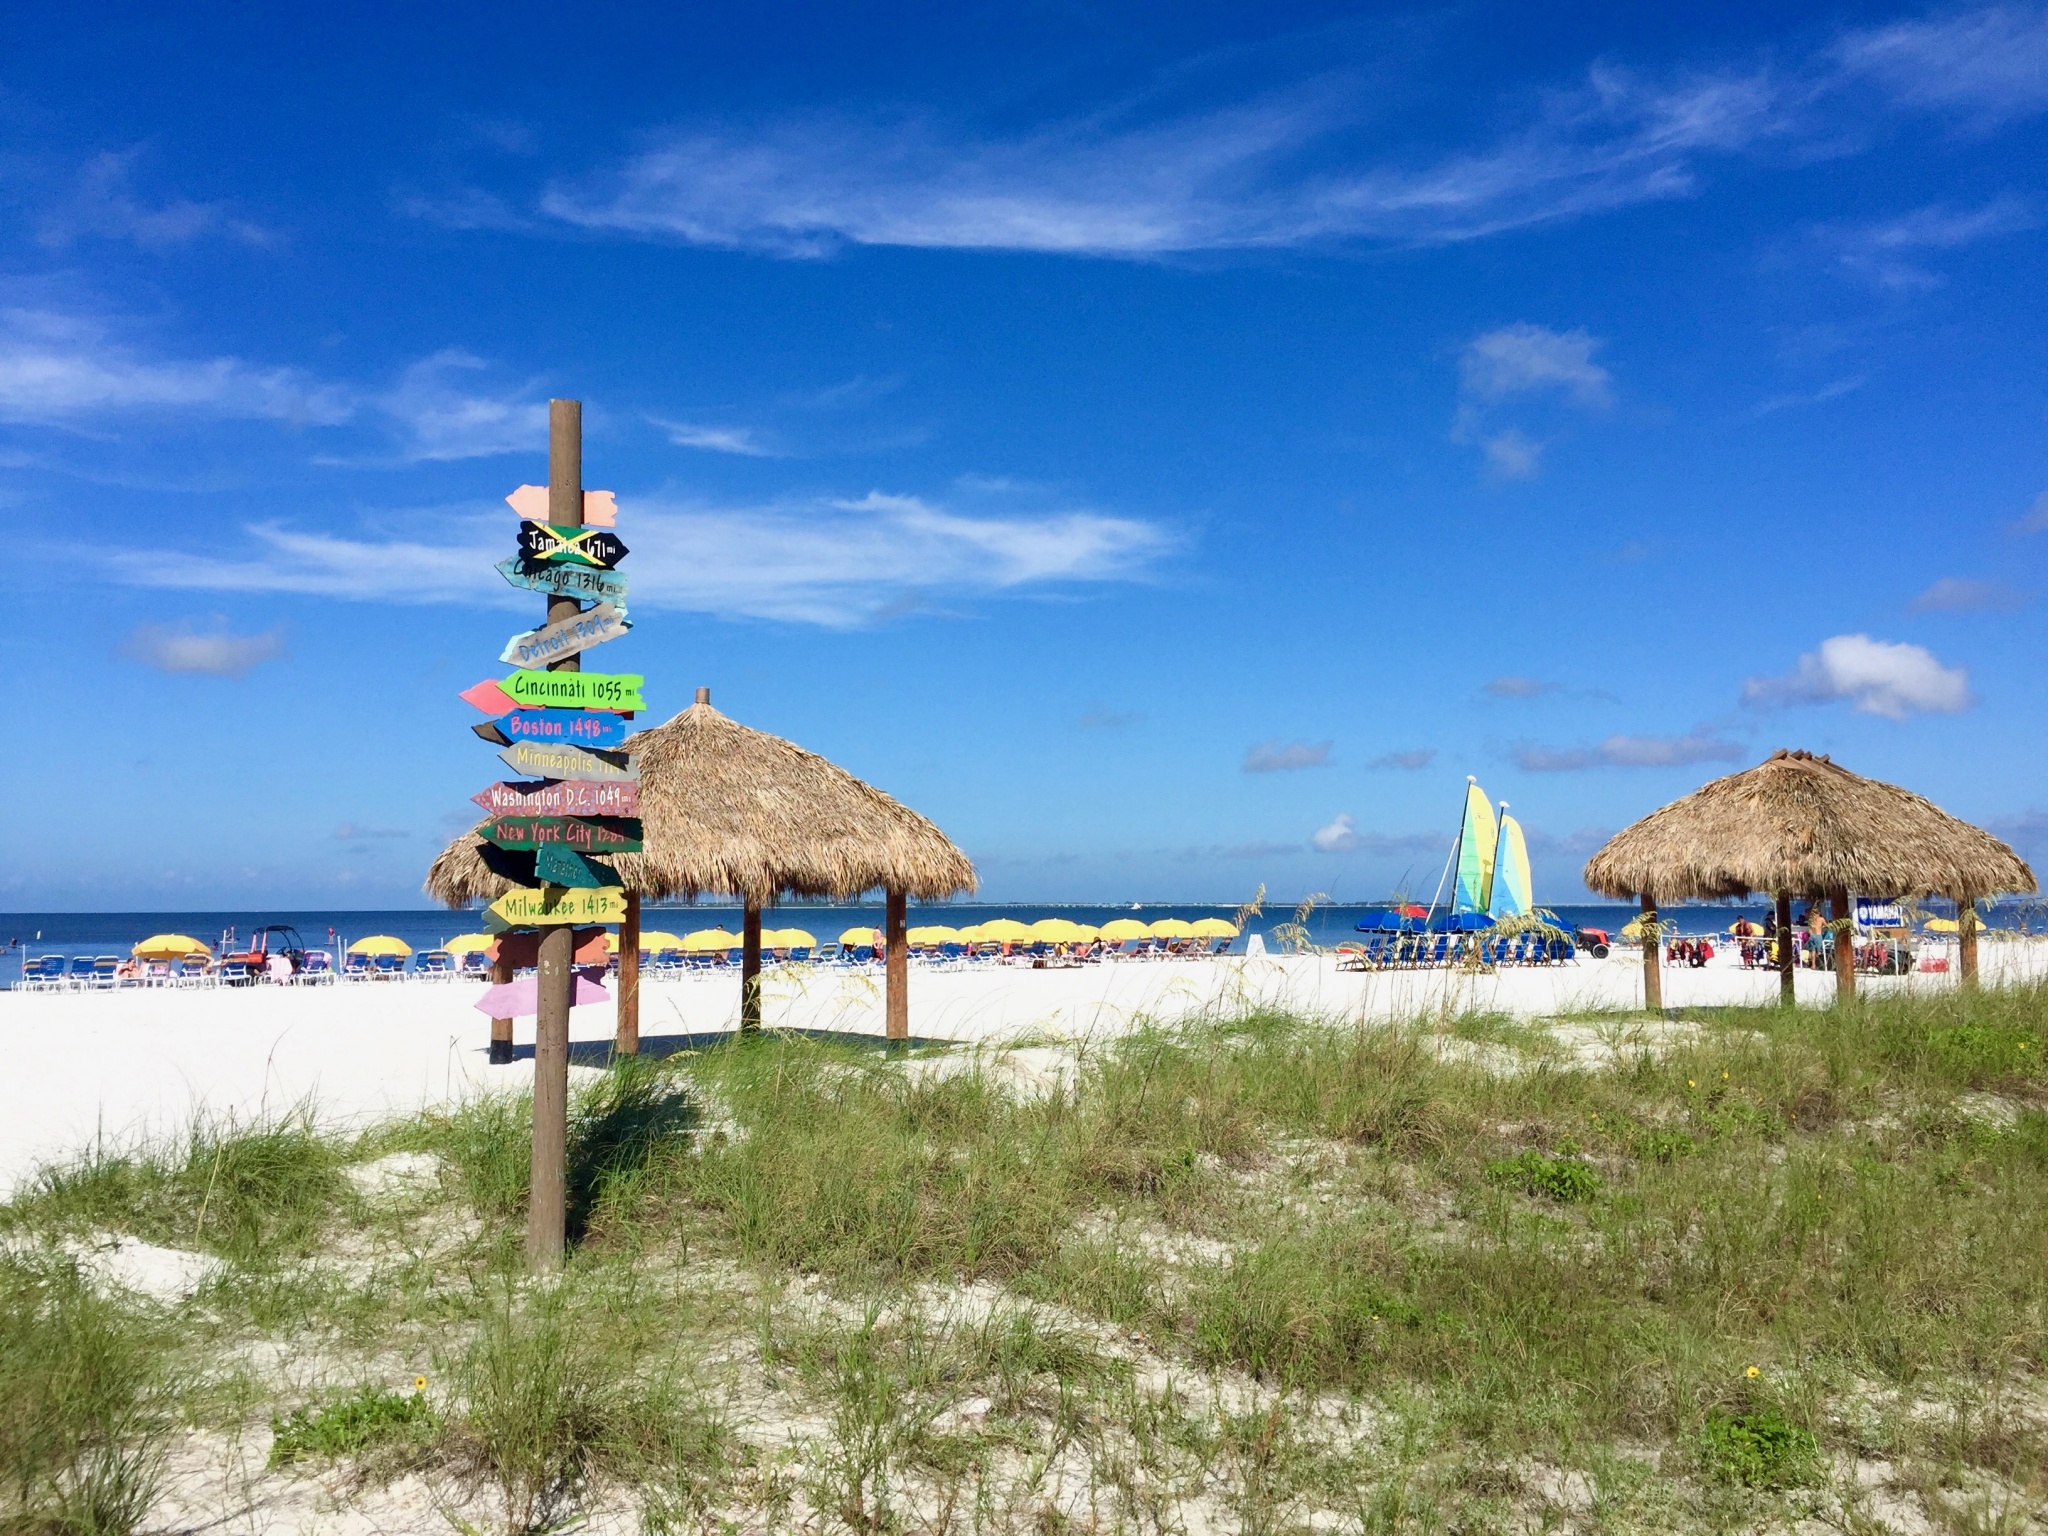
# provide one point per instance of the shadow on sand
(598, 1053)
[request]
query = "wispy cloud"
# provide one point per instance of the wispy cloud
(1512, 686)
(1888, 253)
(2035, 520)
(102, 203)
(1829, 391)
(1406, 762)
(1959, 594)
(1984, 65)
(1286, 757)
(355, 831)
(1880, 677)
(1515, 361)
(740, 440)
(838, 563)
(208, 653)
(439, 419)
(1703, 745)
(61, 368)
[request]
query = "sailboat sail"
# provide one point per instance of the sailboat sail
(1511, 890)
(1476, 841)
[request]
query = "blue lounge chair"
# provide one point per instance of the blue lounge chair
(388, 967)
(355, 967)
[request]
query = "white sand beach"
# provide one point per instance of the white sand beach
(123, 1064)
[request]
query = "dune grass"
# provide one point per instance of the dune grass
(1261, 1268)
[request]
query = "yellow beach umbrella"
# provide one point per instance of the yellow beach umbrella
(1214, 928)
(788, 938)
(861, 936)
(1117, 929)
(380, 944)
(1088, 931)
(653, 940)
(706, 941)
(470, 943)
(935, 933)
(1172, 928)
(1056, 930)
(1942, 925)
(1005, 930)
(168, 946)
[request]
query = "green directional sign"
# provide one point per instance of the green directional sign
(576, 690)
(561, 866)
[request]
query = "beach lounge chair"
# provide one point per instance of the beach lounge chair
(106, 972)
(388, 968)
(319, 969)
(45, 973)
(234, 973)
(435, 965)
(355, 967)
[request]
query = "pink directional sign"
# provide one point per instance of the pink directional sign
(600, 508)
(516, 999)
(489, 697)
(570, 797)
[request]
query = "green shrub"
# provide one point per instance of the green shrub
(1564, 1179)
(365, 1420)
(1759, 1449)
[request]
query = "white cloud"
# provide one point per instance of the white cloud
(442, 421)
(1958, 594)
(1276, 757)
(1879, 677)
(740, 440)
(832, 562)
(1886, 253)
(1623, 751)
(2036, 518)
(1407, 762)
(214, 653)
(1340, 836)
(1512, 455)
(1523, 358)
(58, 368)
(102, 203)
(1987, 65)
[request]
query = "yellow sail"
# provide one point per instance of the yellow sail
(1511, 890)
(1477, 838)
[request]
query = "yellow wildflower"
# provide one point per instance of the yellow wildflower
(1752, 1373)
(419, 1383)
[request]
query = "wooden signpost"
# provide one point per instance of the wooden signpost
(552, 906)
(564, 866)
(534, 761)
(584, 834)
(569, 727)
(577, 797)
(595, 546)
(551, 642)
(584, 582)
(575, 690)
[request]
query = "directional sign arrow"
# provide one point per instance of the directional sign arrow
(567, 727)
(488, 697)
(555, 904)
(575, 797)
(588, 546)
(575, 690)
(600, 508)
(535, 761)
(563, 866)
(584, 582)
(514, 864)
(565, 637)
(582, 835)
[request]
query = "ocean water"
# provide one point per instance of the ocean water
(114, 933)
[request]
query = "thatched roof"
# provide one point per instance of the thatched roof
(1804, 825)
(732, 811)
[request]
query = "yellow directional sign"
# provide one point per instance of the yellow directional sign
(525, 908)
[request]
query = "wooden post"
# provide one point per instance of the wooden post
(750, 969)
(1845, 944)
(1653, 958)
(1966, 942)
(501, 1029)
(547, 1199)
(627, 1040)
(1788, 956)
(896, 935)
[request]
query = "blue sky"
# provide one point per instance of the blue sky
(1171, 446)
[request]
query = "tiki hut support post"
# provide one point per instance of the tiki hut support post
(547, 1200)
(501, 1029)
(1653, 957)
(627, 1042)
(1787, 957)
(750, 969)
(1966, 943)
(1844, 925)
(896, 1014)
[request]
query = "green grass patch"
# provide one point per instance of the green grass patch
(1568, 1180)
(366, 1420)
(1760, 1448)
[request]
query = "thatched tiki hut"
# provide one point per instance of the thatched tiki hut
(1800, 825)
(732, 811)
